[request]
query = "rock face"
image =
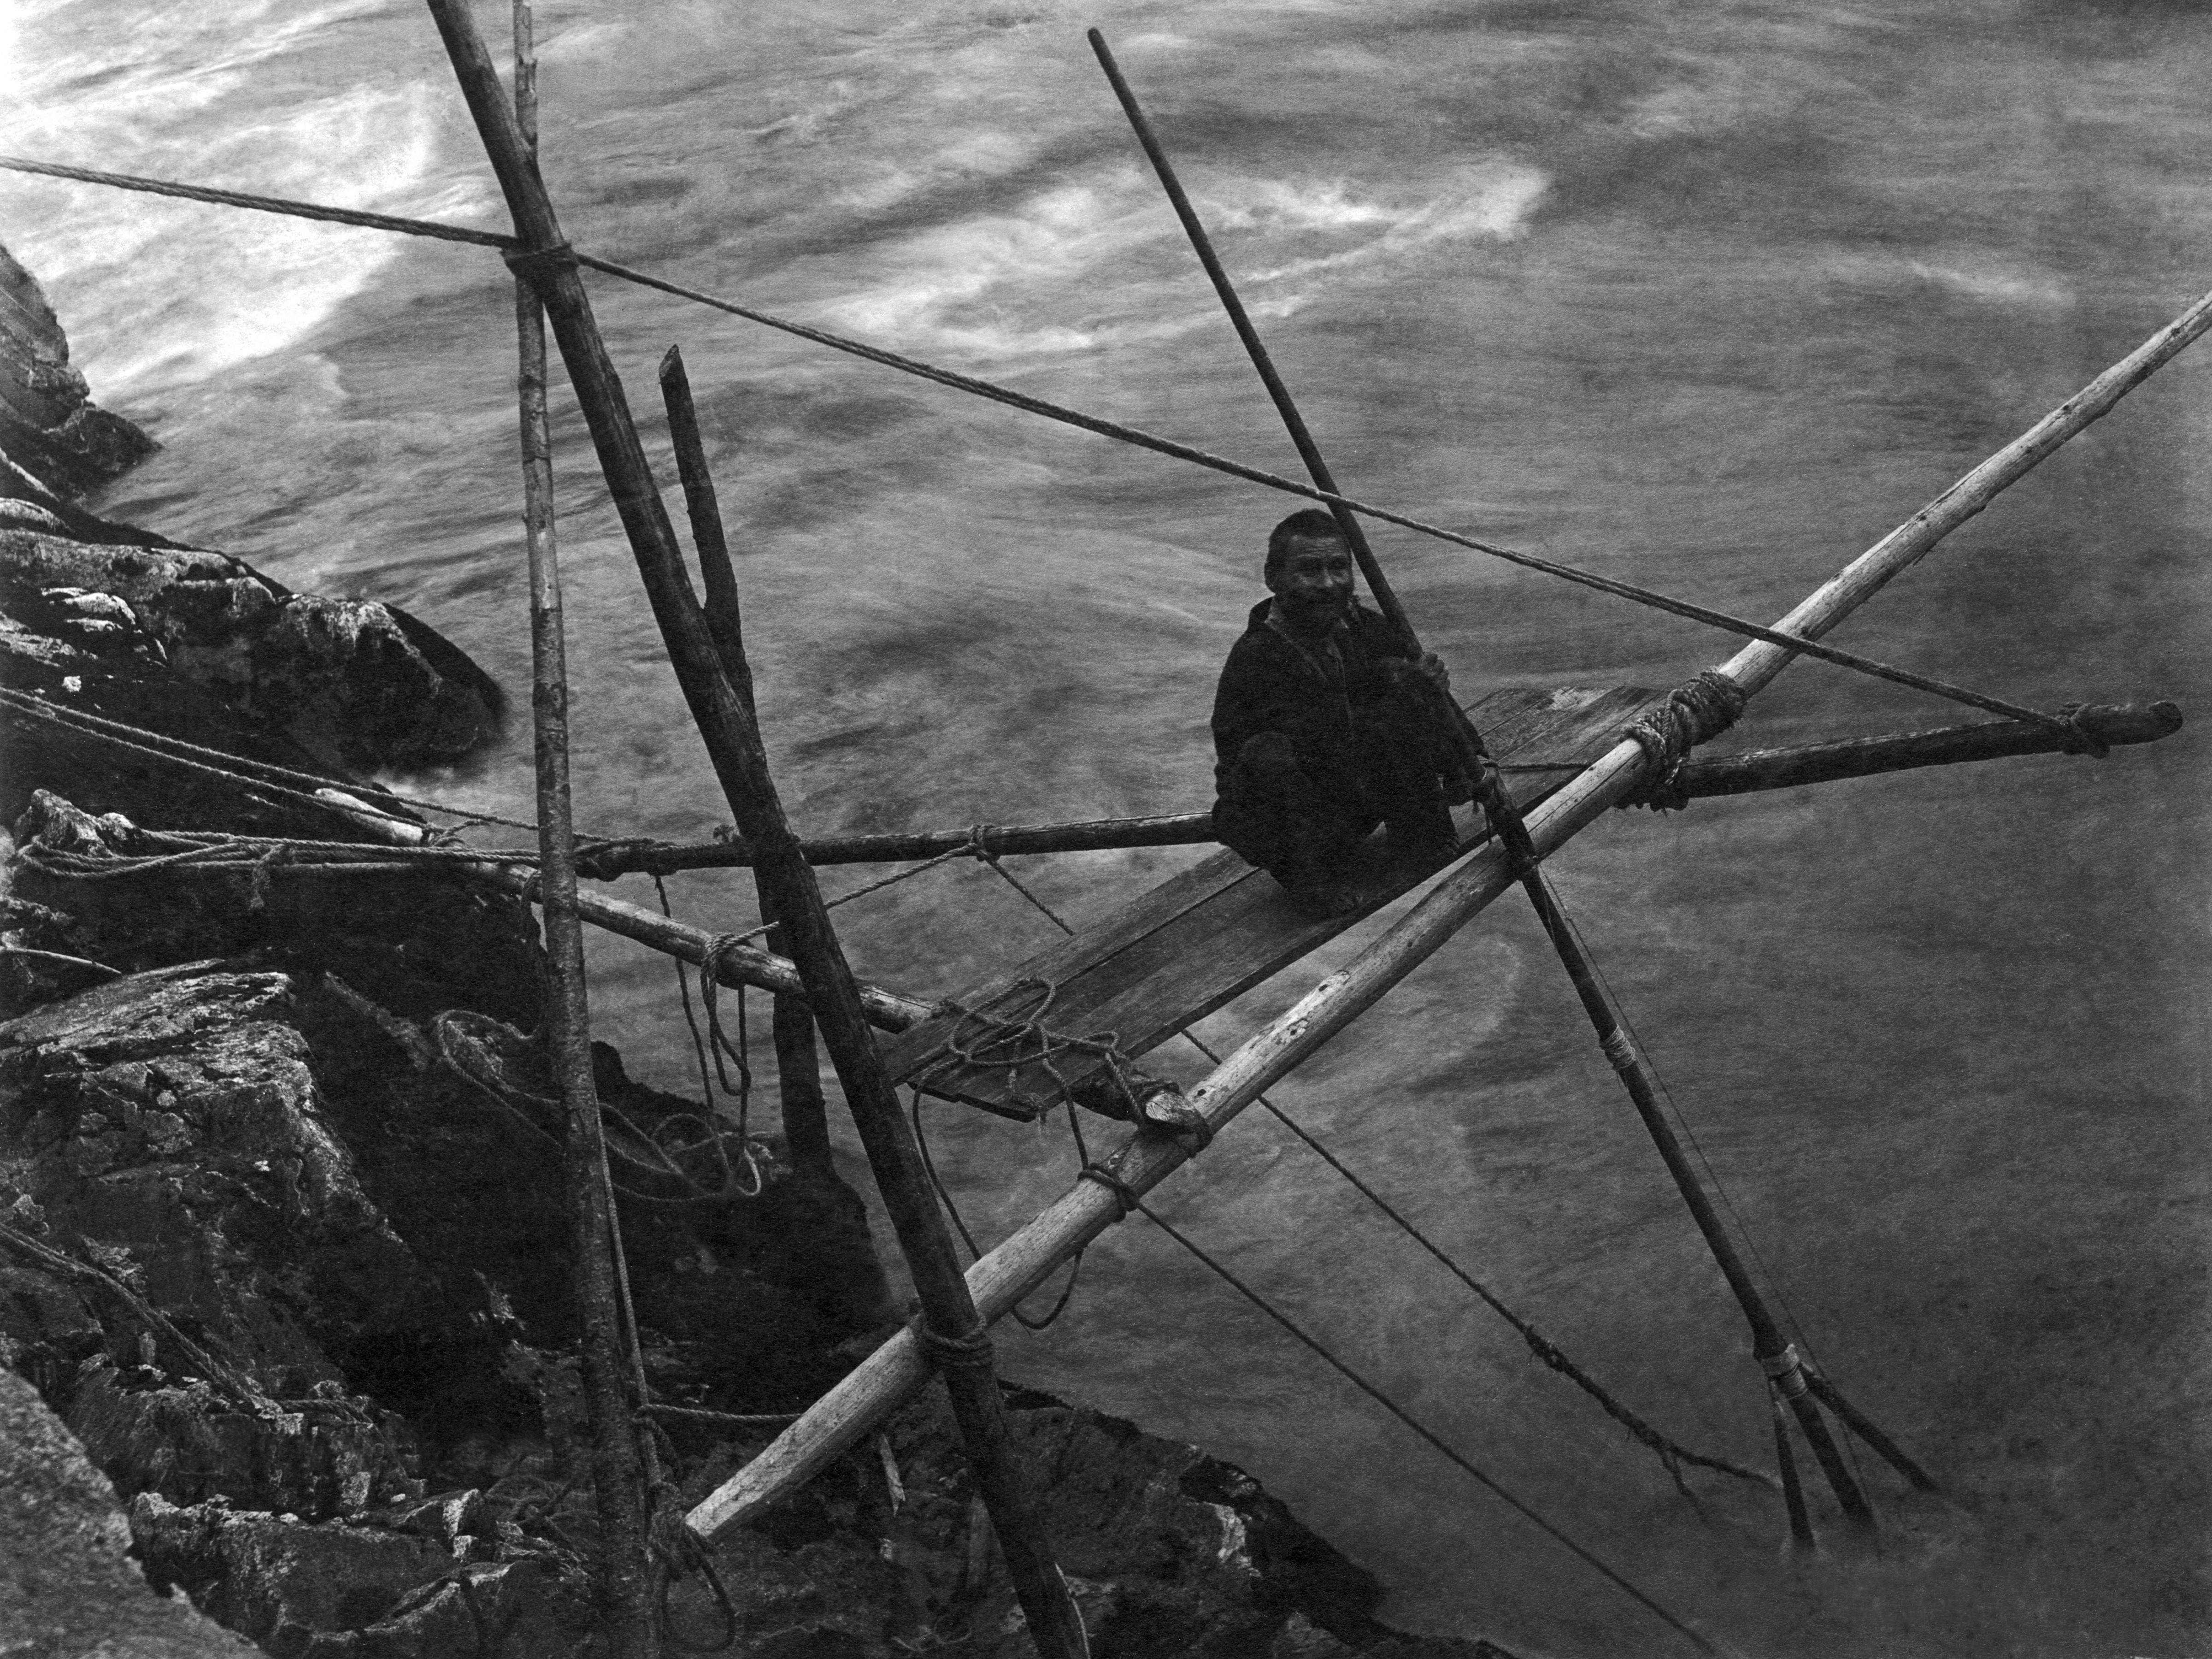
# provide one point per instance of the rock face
(103, 620)
(68, 1588)
(283, 1221)
(56, 442)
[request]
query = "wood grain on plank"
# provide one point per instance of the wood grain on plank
(1205, 936)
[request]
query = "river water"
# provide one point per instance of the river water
(1706, 293)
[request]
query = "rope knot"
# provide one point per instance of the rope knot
(979, 843)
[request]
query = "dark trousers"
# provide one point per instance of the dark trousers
(1299, 827)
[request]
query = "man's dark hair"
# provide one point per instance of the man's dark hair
(1316, 523)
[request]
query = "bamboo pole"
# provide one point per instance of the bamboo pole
(625, 1572)
(1768, 1345)
(736, 964)
(960, 1340)
(798, 1069)
(1015, 1267)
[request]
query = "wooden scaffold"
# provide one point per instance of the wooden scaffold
(1544, 765)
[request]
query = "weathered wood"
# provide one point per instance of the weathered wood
(618, 1474)
(1948, 746)
(1084, 835)
(804, 1111)
(1010, 1272)
(1205, 936)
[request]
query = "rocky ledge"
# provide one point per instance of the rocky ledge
(282, 1249)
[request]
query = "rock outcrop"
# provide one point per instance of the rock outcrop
(56, 442)
(282, 1239)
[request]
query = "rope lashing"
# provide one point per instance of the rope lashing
(970, 1351)
(1124, 1194)
(1103, 428)
(1694, 712)
(526, 261)
(2082, 739)
(1785, 1370)
(1619, 1051)
(677, 1550)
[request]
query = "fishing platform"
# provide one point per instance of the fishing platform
(1046, 1030)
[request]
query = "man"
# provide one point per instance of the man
(1322, 727)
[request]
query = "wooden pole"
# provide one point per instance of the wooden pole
(798, 1069)
(625, 1572)
(2112, 724)
(1014, 1269)
(1768, 1345)
(958, 1337)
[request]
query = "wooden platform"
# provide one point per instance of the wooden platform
(1201, 938)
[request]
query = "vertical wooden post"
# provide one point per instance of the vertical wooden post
(1776, 1356)
(955, 1334)
(625, 1572)
(797, 1070)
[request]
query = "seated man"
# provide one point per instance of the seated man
(1321, 729)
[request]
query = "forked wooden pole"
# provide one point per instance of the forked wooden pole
(1013, 1270)
(1772, 1350)
(625, 1573)
(798, 1069)
(959, 1340)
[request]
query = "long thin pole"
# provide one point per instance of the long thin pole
(798, 1069)
(958, 1335)
(1768, 1343)
(1748, 772)
(625, 1563)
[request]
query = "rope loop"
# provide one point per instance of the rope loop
(979, 843)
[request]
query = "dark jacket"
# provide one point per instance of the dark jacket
(1269, 684)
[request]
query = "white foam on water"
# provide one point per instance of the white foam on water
(161, 293)
(992, 284)
(1492, 199)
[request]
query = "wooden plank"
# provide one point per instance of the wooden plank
(1208, 935)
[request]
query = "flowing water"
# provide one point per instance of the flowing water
(1706, 293)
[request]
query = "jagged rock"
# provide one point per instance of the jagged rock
(337, 1591)
(56, 442)
(68, 1590)
(199, 645)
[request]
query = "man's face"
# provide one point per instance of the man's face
(1313, 581)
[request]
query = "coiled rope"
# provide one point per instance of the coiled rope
(1022, 401)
